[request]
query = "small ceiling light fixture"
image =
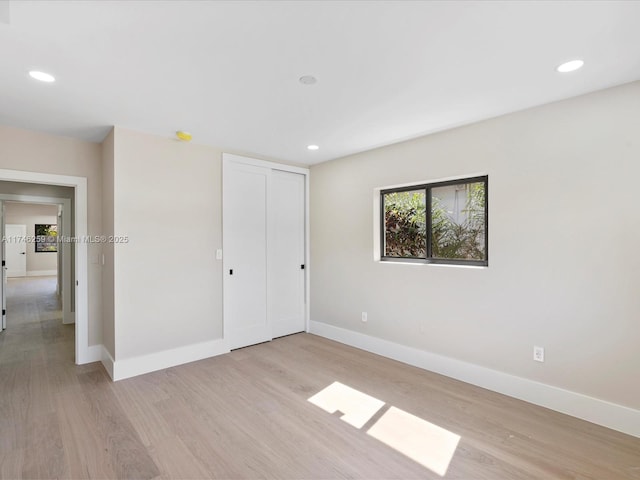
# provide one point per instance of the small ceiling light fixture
(571, 66)
(312, 147)
(42, 76)
(308, 80)
(184, 136)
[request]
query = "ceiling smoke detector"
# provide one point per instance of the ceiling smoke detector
(184, 136)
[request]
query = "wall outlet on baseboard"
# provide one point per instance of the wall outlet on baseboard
(364, 316)
(538, 354)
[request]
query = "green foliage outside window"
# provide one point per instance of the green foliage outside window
(453, 236)
(46, 237)
(463, 240)
(405, 224)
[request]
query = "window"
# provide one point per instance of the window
(444, 222)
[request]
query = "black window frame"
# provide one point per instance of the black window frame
(429, 259)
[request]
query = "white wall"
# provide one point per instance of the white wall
(168, 284)
(563, 239)
(38, 152)
(29, 215)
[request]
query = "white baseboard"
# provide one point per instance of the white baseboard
(42, 273)
(69, 318)
(130, 367)
(107, 361)
(601, 412)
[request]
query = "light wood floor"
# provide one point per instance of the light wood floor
(32, 299)
(246, 415)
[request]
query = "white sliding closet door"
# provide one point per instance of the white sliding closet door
(245, 255)
(263, 235)
(286, 280)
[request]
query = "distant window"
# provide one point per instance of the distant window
(444, 222)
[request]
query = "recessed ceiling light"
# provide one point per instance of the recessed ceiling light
(312, 147)
(307, 80)
(42, 76)
(571, 66)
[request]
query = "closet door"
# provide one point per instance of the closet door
(286, 274)
(244, 232)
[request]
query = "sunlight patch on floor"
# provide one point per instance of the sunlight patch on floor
(423, 442)
(357, 407)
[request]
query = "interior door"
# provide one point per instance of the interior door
(287, 253)
(16, 250)
(244, 198)
(3, 272)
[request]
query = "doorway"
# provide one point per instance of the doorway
(34, 286)
(76, 261)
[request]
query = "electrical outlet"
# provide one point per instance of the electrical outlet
(538, 354)
(219, 254)
(364, 316)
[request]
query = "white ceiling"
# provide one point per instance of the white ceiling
(228, 71)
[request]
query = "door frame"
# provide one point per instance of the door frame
(68, 316)
(230, 159)
(84, 353)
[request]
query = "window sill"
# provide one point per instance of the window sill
(425, 264)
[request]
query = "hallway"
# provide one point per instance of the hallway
(32, 299)
(34, 324)
(34, 350)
